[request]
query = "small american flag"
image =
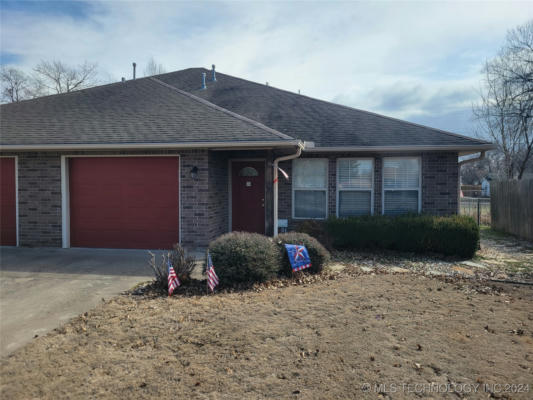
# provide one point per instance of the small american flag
(212, 278)
(173, 281)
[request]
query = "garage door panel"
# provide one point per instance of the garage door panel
(119, 197)
(124, 202)
(8, 202)
(108, 217)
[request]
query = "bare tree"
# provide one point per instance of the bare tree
(15, 84)
(506, 107)
(153, 68)
(58, 77)
(492, 165)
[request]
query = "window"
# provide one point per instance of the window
(401, 185)
(309, 188)
(248, 171)
(355, 188)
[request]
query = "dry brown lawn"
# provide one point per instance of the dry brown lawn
(323, 340)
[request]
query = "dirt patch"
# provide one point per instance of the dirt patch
(505, 254)
(311, 341)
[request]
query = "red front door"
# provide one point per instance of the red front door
(124, 202)
(8, 202)
(248, 196)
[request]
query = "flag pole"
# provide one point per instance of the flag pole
(206, 276)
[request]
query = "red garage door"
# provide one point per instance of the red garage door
(8, 202)
(124, 202)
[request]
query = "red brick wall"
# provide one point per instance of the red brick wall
(204, 201)
(218, 194)
(39, 182)
(39, 196)
(440, 173)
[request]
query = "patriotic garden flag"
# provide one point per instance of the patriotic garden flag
(298, 257)
(212, 278)
(173, 281)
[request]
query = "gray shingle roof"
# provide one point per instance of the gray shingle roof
(173, 109)
(324, 123)
(140, 111)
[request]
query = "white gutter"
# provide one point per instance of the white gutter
(475, 148)
(142, 146)
(275, 188)
(471, 160)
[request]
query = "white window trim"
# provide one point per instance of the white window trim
(419, 188)
(307, 189)
(355, 190)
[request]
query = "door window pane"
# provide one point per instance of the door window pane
(248, 171)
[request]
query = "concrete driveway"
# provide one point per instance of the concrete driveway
(42, 288)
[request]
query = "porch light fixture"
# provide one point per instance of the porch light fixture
(194, 173)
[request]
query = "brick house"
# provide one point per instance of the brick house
(180, 158)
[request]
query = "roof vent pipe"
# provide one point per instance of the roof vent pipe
(134, 66)
(203, 81)
(213, 74)
(123, 79)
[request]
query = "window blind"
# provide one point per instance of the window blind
(401, 184)
(310, 173)
(355, 174)
(352, 203)
(310, 181)
(401, 201)
(354, 186)
(310, 204)
(401, 173)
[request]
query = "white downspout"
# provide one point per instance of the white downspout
(461, 163)
(275, 189)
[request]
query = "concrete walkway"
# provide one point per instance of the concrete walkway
(41, 288)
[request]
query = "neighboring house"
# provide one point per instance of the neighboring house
(471, 190)
(153, 161)
(485, 186)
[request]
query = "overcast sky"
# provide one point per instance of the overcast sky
(418, 61)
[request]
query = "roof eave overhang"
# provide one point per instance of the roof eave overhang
(153, 146)
(462, 150)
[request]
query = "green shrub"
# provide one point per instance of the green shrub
(316, 229)
(318, 254)
(456, 235)
(244, 257)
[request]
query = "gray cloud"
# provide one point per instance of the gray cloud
(402, 59)
(421, 99)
